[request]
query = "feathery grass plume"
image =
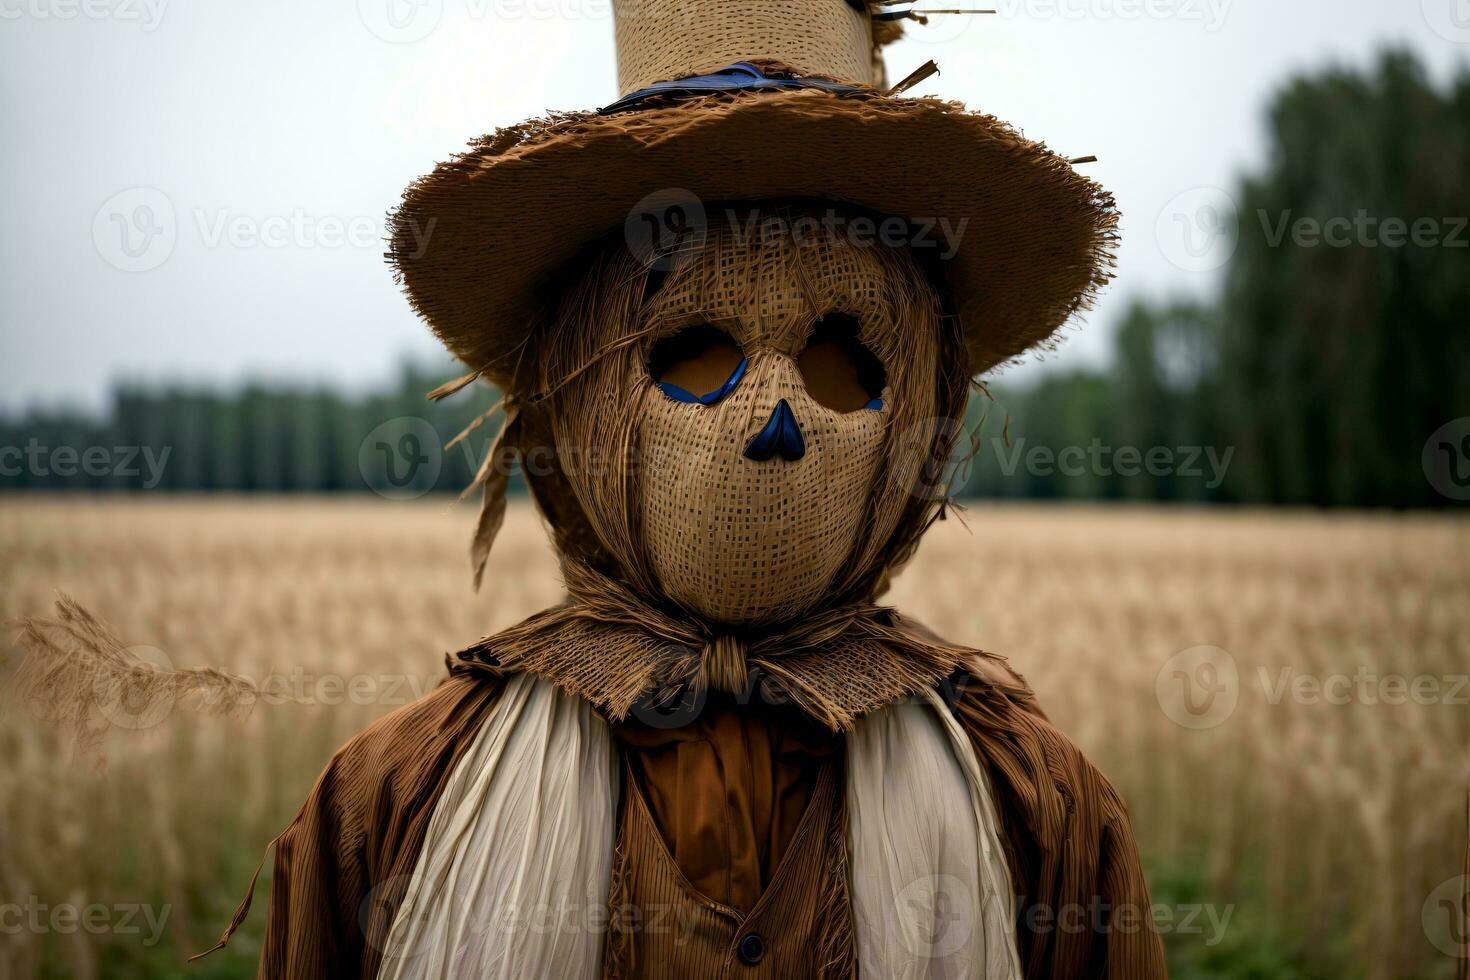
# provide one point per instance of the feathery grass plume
(77, 674)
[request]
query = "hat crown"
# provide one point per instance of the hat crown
(659, 40)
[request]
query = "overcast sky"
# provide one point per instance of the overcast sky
(195, 189)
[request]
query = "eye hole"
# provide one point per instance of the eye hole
(698, 364)
(839, 372)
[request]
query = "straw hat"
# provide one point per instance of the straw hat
(749, 101)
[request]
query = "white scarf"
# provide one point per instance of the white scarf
(517, 858)
(931, 892)
(513, 877)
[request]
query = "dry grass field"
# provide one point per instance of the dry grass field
(1299, 785)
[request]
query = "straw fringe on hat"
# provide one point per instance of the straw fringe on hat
(479, 242)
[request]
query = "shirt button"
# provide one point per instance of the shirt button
(752, 947)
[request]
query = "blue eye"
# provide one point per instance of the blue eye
(680, 395)
(699, 365)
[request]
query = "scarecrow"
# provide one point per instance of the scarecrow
(733, 315)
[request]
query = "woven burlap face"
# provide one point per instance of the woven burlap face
(738, 540)
(734, 539)
(682, 509)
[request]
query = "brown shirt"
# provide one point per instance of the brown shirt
(728, 790)
(667, 929)
(731, 856)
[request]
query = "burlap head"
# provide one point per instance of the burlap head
(677, 508)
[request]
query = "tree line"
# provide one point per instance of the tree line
(1333, 366)
(1329, 369)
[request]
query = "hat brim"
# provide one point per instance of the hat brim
(478, 242)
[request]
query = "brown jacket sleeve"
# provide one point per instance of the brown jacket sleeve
(342, 865)
(1083, 907)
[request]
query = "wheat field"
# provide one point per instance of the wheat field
(1279, 696)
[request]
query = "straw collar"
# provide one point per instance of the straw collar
(631, 657)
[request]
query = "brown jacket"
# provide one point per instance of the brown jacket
(1083, 908)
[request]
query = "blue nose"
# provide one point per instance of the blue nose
(781, 436)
